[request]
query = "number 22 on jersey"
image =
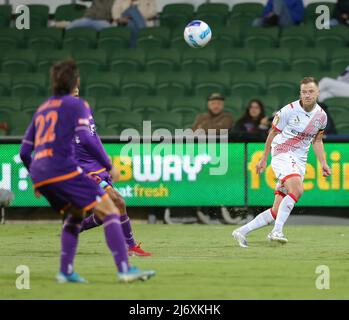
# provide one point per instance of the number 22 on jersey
(45, 128)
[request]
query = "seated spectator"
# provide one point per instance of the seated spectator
(341, 13)
(215, 117)
(4, 127)
(254, 122)
(98, 16)
(339, 87)
(135, 14)
(281, 13)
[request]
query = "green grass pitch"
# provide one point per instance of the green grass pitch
(191, 261)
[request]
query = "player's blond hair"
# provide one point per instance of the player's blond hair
(307, 80)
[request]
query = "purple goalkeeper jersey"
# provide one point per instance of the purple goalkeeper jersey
(50, 134)
(92, 160)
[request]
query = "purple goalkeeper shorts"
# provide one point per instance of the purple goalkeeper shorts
(81, 191)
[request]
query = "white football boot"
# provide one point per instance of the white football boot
(277, 236)
(240, 238)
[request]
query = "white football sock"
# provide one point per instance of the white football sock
(284, 211)
(260, 221)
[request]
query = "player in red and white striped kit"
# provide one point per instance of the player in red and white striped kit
(295, 127)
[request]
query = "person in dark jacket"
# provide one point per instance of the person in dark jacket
(341, 13)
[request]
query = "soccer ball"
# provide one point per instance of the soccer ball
(197, 34)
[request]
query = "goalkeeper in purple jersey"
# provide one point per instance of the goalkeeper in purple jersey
(48, 154)
(95, 162)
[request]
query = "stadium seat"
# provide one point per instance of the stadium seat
(19, 123)
(225, 37)
(43, 39)
(330, 42)
(90, 61)
(69, 12)
(90, 100)
(338, 59)
(188, 119)
(206, 83)
(127, 60)
(5, 84)
(343, 128)
(114, 104)
(236, 60)
(176, 15)
(138, 84)
(253, 9)
(47, 58)
(38, 15)
(248, 84)
(28, 84)
(162, 60)
(272, 60)
(5, 15)
(281, 84)
(173, 84)
(102, 84)
(146, 104)
(234, 105)
(11, 38)
(113, 39)
(102, 131)
(17, 61)
(339, 110)
(308, 60)
(310, 14)
(129, 120)
(198, 60)
(260, 37)
(10, 104)
(31, 104)
(155, 37)
(214, 14)
(165, 120)
(195, 104)
(176, 39)
(5, 116)
(271, 104)
(307, 32)
(294, 42)
(78, 39)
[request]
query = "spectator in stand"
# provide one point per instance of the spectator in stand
(135, 14)
(339, 87)
(341, 13)
(215, 117)
(254, 122)
(98, 16)
(281, 13)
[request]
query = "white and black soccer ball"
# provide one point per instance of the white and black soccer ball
(197, 34)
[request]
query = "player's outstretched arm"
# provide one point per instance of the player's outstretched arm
(318, 147)
(263, 162)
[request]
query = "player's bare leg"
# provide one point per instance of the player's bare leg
(107, 212)
(262, 220)
(294, 186)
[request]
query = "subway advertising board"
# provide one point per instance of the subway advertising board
(195, 174)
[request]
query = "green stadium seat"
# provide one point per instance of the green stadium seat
(234, 105)
(11, 38)
(283, 89)
(236, 60)
(339, 110)
(106, 131)
(90, 100)
(78, 39)
(18, 61)
(173, 84)
(114, 38)
(102, 84)
(5, 117)
(47, 58)
(261, 37)
(176, 15)
(138, 84)
(271, 104)
(306, 31)
(5, 15)
(5, 84)
(338, 65)
(129, 120)
(330, 42)
(10, 104)
(343, 128)
(272, 60)
(309, 60)
(248, 84)
(146, 104)
(28, 84)
(194, 104)
(114, 104)
(294, 42)
(69, 12)
(162, 60)
(198, 60)
(310, 14)
(19, 123)
(253, 9)
(38, 15)
(284, 77)
(127, 60)
(205, 83)
(99, 119)
(165, 120)
(41, 39)
(154, 37)
(90, 61)
(31, 104)
(214, 14)
(188, 119)
(177, 40)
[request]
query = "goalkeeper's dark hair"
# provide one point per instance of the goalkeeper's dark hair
(307, 80)
(64, 77)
